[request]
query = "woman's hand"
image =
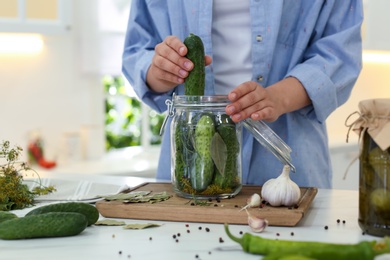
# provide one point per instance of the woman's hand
(252, 100)
(169, 65)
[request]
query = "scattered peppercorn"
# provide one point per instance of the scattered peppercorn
(174, 236)
(196, 256)
(200, 228)
(221, 240)
(210, 200)
(188, 231)
(187, 225)
(178, 234)
(207, 229)
(215, 205)
(241, 232)
(120, 252)
(150, 238)
(209, 252)
(177, 240)
(326, 227)
(292, 233)
(218, 200)
(236, 206)
(192, 204)
(343, 221)
(277, 234)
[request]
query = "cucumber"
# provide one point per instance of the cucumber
(52, 224)
(183, 149)
(203, 170)
(90, 211)
(6, 215)
(227, 130)
(194, 84)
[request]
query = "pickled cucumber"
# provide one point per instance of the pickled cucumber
(203, 170)
(227, 130)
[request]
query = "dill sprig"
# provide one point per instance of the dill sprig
(13, 193)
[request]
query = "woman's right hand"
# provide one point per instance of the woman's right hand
(169, 66)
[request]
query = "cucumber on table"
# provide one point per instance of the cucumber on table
(90, 211)
(6, 215)
(203, 170)
(195, 82)
(52, 224)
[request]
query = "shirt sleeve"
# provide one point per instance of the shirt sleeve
(141, 38)
(332, 62)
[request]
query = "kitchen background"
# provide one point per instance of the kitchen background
(52, 86)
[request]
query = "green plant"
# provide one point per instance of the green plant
(13, 193)
(123, 122)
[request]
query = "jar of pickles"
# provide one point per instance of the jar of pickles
(374, 188)
(206, 147)
(373, 127)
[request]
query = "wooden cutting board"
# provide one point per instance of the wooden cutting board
(224, 211)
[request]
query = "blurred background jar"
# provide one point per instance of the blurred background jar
(373, 127)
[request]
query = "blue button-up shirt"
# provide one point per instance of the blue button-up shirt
(316, 41)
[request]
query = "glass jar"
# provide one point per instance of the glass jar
(374, 188)
(205, 148)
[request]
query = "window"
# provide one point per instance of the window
(126, 117)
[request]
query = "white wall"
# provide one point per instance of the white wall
(48, 92)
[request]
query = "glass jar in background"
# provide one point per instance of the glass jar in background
(373, 128)
(374, 188)
(205, 148)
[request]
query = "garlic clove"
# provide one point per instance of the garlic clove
(256, 224)
(252, 202)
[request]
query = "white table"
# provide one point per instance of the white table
(114, 242)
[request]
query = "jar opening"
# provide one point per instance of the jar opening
(194, 101)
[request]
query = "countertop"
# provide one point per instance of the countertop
(114, 242)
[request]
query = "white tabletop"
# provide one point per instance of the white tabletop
(114, 242)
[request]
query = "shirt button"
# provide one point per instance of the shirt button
(260, 78)
(259, 38)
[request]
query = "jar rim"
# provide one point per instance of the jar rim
(200, 101)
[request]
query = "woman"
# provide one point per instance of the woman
(289, 63)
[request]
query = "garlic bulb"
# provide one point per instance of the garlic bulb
(282, 190)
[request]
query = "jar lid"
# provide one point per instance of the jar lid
(270, 140)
